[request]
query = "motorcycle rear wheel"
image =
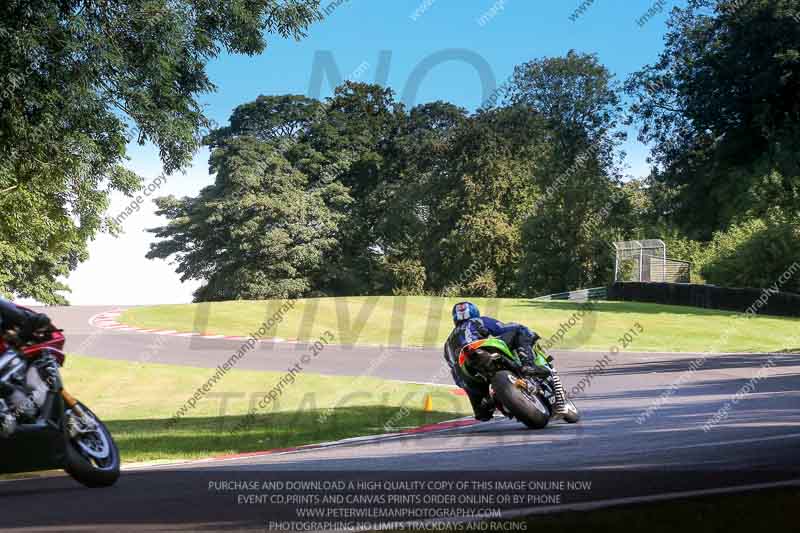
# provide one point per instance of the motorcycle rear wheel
(528, 409)
(93, 471)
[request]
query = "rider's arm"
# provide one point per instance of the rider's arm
(447, 355)
(451, 359)
(13, 316)
(10, 313)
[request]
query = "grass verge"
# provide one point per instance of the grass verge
(137, 400)
(425, 321)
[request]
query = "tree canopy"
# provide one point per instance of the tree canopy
(80, 80)
(358, 194)
(428, 199)
(721, 109)
(523, 197)
(260, 231)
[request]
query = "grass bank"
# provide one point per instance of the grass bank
(137, 400)
(425, 321)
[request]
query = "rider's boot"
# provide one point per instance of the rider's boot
(485, 410)
(529, 360)
(560, 408)
(482, 404)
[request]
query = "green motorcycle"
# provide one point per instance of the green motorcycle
(531, 399)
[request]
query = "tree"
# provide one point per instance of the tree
(495, 160)
(353, 144)
(464, 186)
(577, 96)
(270, 118)
(760, 252)
(261, 231)
(565, 237)
(416, 214)
(721, 108)
(80, 80)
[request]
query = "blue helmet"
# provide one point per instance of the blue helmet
(465, 311)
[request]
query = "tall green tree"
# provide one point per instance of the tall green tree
(721, 109)
(354, 145)
(566, 237)
(496, 158)
(419, 203)
(465, 186)
(82, 78)
(577, 96)
(261, 231)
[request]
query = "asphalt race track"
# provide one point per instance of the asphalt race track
(615, 452)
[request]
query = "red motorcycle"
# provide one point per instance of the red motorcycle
(42, 426)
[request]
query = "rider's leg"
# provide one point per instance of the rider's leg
(482, 404)
(458, 379)
(522, 342)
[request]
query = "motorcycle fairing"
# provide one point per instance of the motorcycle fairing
(491, 345)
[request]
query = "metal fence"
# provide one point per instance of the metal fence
(581, 295)
(644, 260)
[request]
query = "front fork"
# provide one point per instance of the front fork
(78, 422)
(70, 401)
(49, 371)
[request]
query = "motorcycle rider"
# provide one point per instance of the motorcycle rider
(470, 326)
(26, 322)
(23, 324)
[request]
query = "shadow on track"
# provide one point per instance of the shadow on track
(209, 436)
(711, 362)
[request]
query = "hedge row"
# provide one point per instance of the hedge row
(754, 301)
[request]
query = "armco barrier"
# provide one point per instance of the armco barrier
(708, 296)
(581, 295)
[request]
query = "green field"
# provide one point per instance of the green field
(425, 321)
(137, 400)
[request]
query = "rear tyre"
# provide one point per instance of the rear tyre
(92, 459)
(527, 408)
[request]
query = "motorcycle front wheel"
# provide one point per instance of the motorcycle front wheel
(92, 456)
(527, 408)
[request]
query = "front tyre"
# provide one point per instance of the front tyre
(527, 408)
(92, 456)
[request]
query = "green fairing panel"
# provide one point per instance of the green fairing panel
(541, 358)
(491, 345)
(501, 346)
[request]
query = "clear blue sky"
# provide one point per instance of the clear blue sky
(355, 34)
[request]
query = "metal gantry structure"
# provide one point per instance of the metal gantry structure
(647, 257)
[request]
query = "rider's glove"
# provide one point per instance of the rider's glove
(35, 323)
